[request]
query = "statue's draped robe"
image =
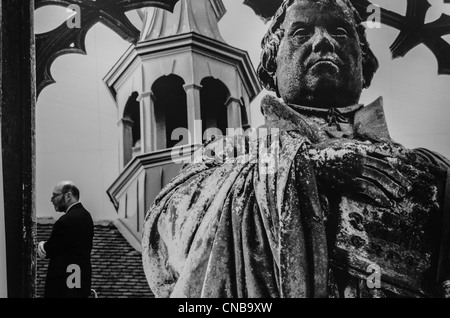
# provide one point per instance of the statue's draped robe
(241, 227)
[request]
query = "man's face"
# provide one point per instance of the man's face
(319, 61)
(58, 200)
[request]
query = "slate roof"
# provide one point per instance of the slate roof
(116, 266)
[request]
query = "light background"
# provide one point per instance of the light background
(76, 118)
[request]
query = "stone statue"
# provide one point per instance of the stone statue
(320, 202)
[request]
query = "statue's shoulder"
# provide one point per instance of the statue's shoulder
(432, 157)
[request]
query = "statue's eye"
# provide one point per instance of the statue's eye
(340, 32)
(301, 32)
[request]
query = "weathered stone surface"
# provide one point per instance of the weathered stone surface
(402, 240)
(200, 226)
(334, 199)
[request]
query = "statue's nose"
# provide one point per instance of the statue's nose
(322, 41)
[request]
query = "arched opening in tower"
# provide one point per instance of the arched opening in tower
(213, 97)
(170, 109)
(132, 127)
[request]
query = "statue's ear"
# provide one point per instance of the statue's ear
(266, 79)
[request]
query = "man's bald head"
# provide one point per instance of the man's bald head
(67, 186)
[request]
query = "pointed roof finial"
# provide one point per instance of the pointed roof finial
(199, 16)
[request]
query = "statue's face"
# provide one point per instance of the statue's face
(319, 61)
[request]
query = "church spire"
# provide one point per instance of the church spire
(199, 16)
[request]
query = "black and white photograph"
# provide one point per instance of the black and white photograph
(223, 149)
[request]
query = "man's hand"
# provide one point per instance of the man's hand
(361, 167)
(41, 251)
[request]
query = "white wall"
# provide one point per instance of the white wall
(76, 122)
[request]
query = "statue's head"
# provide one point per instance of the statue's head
(316, 54)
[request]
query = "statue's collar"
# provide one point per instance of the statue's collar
(324, 111)
(369, 121)
(337, 117)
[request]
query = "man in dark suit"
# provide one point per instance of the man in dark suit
(69, 246)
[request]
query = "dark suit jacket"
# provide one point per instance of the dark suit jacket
(70, 243)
